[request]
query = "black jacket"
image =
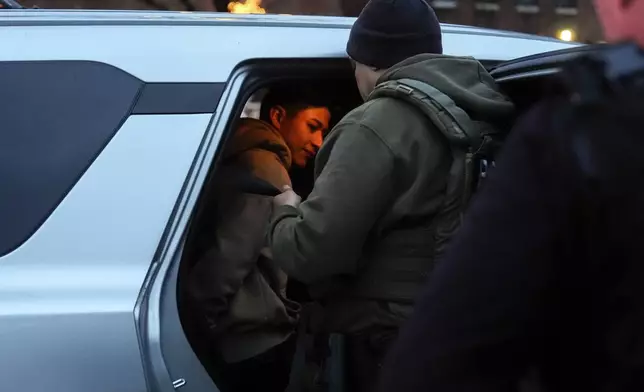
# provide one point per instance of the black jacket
(546, 277)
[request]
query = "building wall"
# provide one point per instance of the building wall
(543, 17)
(90, 4)
(315, 7)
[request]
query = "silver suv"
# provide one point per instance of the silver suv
(110, 122)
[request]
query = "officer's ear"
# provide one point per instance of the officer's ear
(277, 114)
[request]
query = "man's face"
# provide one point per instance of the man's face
(303, 132)
(621, 19)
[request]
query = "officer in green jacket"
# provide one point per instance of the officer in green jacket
(366, 238)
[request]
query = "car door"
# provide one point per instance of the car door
(525, 78)
(92, 160)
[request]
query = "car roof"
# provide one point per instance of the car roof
(191, 51)
(131, 17)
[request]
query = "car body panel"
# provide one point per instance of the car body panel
(67, 294)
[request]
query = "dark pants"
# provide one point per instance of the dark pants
(267, 372)
(365, 354)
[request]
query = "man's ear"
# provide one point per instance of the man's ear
(277, 115)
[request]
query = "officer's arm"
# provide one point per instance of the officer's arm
(485, 309)
(326, 234)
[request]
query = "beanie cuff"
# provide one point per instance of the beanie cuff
(390, 31)
(382, 52)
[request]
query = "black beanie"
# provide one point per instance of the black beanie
(390, 31)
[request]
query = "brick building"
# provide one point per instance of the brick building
(543, 17)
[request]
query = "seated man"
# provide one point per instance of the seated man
(290, 128)
(237, 294)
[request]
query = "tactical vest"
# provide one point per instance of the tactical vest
(403, 258)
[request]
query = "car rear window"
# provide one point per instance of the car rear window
(55, 118)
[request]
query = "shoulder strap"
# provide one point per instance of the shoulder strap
(453, 122)
(464, 138)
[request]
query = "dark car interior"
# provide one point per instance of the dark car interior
(528, 79)
(343, 96)
(524, 80)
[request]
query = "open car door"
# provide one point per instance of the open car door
(526, 79)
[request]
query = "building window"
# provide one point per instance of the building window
(487, 6)
(527, 6)
(566, 7)
(444, 4)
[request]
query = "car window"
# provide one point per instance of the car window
(56, 117)
(254, 104)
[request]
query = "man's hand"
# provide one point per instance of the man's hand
(287, 198)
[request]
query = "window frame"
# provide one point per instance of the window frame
(38, 99)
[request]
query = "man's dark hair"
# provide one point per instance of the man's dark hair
(293, 97)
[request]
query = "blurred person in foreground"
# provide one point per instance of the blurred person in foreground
(543, 287)
(383, 205)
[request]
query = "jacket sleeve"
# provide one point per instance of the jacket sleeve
(485, 311)
(234, 245)
(325, 235)
(232, 251)
(266, 165)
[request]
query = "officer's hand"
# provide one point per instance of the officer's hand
(287, 198)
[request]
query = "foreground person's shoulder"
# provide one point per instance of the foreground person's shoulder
(543, 118)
